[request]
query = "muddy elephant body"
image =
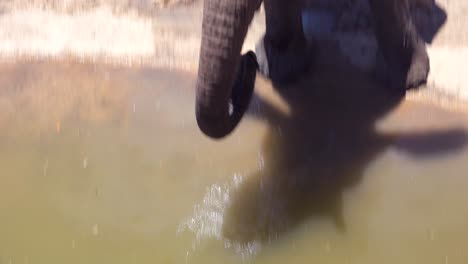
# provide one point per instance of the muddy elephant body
(226, 79)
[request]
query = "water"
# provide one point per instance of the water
(101, 163)
(105, 164)
(91, 158)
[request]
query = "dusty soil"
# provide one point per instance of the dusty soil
(72, 6)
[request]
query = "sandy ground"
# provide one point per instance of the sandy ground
(74, 6)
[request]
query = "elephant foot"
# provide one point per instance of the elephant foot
(283, 65)
(399, 74)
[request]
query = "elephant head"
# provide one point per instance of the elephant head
(225, 78)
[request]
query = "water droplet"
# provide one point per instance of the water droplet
(73, 244)
(431, 234)
(231, 108)
(261, 161)
(328, 247)
(58, 127)
(85, 163)
(95, 230)
(134, 108)
(46, 166)
(446, 259)
(280, 131)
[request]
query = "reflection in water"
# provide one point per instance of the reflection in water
(317, 151)
(314, 152)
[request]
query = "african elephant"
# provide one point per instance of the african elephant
(226, 79)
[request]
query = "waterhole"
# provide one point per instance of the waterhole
(103, 164)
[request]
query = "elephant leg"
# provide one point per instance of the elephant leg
(283, 54)
(405, 63)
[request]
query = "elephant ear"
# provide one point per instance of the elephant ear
(244, 85)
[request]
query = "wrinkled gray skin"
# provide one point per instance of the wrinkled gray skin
(226, 79)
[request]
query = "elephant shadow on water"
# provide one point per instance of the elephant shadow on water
(316, 151)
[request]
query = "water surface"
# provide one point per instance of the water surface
(103, 164)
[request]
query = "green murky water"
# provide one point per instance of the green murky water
(106, 165)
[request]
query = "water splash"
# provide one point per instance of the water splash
(207, 219)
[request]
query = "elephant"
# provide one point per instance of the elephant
(226, 79)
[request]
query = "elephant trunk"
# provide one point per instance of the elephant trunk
(225, 25)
